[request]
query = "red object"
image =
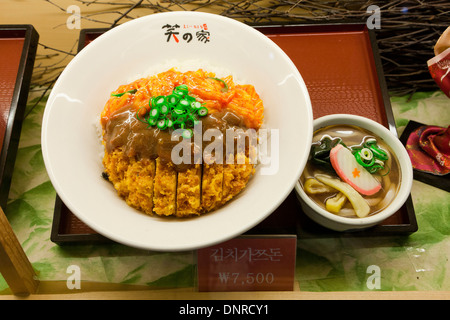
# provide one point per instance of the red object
(18, 45)
(439, 68)
(429, 149)
(10, 55)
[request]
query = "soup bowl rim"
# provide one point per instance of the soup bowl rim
(403, 160)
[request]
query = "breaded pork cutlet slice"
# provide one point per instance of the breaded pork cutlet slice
(165, 189)
(155, 187)
(236, 176)
(212, 181)
(133, 179)
(116, 165)
(189, 191)
(139, 178)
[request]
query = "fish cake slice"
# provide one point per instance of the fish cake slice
(165, 189)
(212, 181)
(189, 191)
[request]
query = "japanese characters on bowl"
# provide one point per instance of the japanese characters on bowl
(187, 32)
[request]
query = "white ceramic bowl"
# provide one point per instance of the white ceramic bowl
(338, 223)
(142, 47)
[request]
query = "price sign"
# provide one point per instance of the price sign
(248, 263)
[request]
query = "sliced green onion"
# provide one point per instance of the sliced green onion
(180, 119)
(182, 87)
(387, 172)
(190, 99)
(137, 115)
(177, 110)
(183, 103)
(154, 113)
(225, 85)
(196, 105)
(173, 99)
(379, 153)
(187, 133)
(121, 94)
(192, 117)
(178, 94)
(378, 165)
(162, 124)
(164, 109)
(202, 111)
(160, 100)
(152, 121)
(366, 154)
(370, 155)
(359, 159)
(180, 91)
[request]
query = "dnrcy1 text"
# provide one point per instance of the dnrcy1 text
(234, 309)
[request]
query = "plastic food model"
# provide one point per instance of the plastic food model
(155, 156)
(350, 172)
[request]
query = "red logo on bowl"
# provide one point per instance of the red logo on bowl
(187, 32)
(439, 68)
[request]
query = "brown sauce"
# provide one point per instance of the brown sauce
(137, 139)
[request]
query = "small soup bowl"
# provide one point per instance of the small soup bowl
(347, 224)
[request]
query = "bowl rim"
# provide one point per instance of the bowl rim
(402, 156)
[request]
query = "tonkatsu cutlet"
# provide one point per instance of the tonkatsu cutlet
(139, 122)
(165, 189)
(132, 179)
(236, 176)
(212, 181)
(188, 192)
